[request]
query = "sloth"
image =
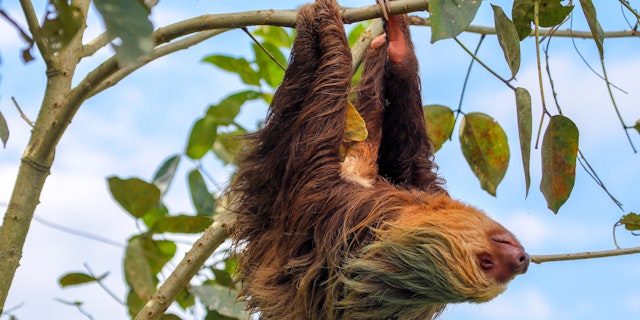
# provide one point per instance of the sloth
(328, 229)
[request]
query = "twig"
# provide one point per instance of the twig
(495, 74)
(466, 80)
(79, 233)
(263, 48)
(103, 286)
(583, 255)
(22, 115)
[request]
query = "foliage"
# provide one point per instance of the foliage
(483, 141)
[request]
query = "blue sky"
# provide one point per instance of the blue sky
(129, 129)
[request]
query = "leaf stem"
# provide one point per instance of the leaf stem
(505, 81)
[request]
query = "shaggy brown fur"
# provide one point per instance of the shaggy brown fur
(316, 245)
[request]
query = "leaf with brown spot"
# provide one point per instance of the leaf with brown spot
(440, 121)
(484, 145)
(559, 154)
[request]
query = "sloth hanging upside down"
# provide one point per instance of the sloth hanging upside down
(363, 230)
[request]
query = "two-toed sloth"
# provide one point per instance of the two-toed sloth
(366, 234)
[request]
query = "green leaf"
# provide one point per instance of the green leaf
(220, 298)
(508, 39)
(170, 316)
(228, 145)
(355, 33)
(559, 153)
(484, 145)
(215, 315)
(239, 66)
(203, 135)
(155, 214)
(551, 13)
(631, 221)
(226, 111)
(278, 36)
(134, 303)
(134, 195)
(76, 278)
(61, 25)
(4, 131)
(163, 177)
(203, 201)
(185, 299)
(137, 270)
(596, 30)
(450, 17)
(182, 224)
(129, 21)
(637, 126)
(223, 278)
(523, 106)
(270, 71)
(440, 121)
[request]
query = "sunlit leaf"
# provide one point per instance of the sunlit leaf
(484, 145)
(203, 135)
(355, 127)
(275, 35)
(223, 278)
(221, 299)
(4, 131)
(523, 105)
(269, 70)
(551, 13)
(596, 30)
(637, 126)
(227, 146)
(76, 278)
(450, 17)
(559, 153)
(355, 33)
(155, 214)
(137, 270)
(203, 201)
(439, 120)
(225, 112)
(239, 66)
(182, 224)
(163, 177)
(631, 221)
(61, 24)
(129, 21)
(134, 195)
(508, 39)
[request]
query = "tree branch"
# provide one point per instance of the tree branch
(583, 255)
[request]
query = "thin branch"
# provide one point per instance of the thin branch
(79, 233)
(103, 286)
(121, 72)
(626, 4)
(359, 49)
(36, 32)
(584, 255)
(22, 115)
(466, 81)
(263, 48)
(495, 74)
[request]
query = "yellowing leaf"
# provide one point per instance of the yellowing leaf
(596, 30)
(631, 221)
(355, 127)
(439, 120)
(484, 145)
(559, 154)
